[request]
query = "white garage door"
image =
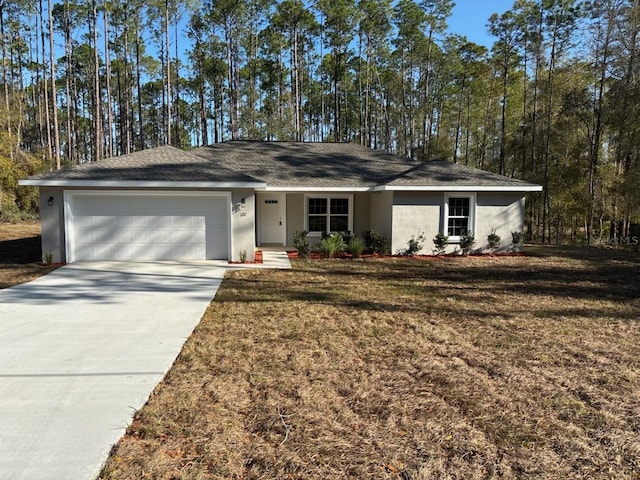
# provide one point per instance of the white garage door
(141, 226)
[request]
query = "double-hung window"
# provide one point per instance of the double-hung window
(327, 214)
(459, 218)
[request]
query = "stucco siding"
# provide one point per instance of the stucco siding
(361, 213)
(503, 212)
(382, 213)
(243, 226)
(52, 223)
(416, 213)
(295, 215)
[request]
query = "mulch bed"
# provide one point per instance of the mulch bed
(292, 254)
(257, 259)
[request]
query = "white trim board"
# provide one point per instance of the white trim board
(457, 188)
(311, 188)
(138, 184)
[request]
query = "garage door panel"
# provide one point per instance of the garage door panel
(141, 227)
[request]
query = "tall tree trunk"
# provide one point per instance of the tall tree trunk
(168, 66)
(503, 117)
(128, 115)
(68, 76)
(5, 80)
(546, 221)
(54, 96)
(45, 85)
(176, 106)
(141, 136)
(107, 61)
(296, 81)
(427, 116)
(598, 112)
(97, 107)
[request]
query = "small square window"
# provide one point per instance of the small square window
(458, 227)
(339, 206)
(339, 224)
(317, 206)
(318, 223)
(458, 207)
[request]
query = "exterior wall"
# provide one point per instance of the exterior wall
(243, 224)
(381, 213)
(423, 212)
(295, 215)
(53, 235)
(52, 223)
(396, 215)
(416, 213)
(502, 211)
(361, 213)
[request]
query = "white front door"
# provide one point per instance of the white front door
(271, 218)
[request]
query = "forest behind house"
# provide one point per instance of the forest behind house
(554, 101)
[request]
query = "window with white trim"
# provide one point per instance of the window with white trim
(326, 214)
(459, 215)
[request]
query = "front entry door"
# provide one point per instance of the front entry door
(271, 218)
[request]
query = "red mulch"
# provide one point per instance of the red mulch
(292, 254)
(257, 258)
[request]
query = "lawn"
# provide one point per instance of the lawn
(20, 260)
(456, 368)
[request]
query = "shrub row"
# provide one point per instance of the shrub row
(337, 243)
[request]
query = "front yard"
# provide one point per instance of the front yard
(506, 367)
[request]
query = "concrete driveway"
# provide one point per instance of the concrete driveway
(81, 349)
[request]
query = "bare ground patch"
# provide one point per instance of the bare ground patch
(20, 251)
(510, 367)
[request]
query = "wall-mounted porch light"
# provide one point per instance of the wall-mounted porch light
(242, 203)
(50, 201)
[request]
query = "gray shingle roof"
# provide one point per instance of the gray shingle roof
(444, 173)
(162, 164)
(281, 164)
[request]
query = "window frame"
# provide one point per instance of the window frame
(471, 217)
(328, 198)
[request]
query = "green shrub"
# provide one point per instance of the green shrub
(440, 241)
(517, 241)
(414, 245)
(466, 243)
(48, 258)
(243, 256)
(302, 243)
(332, 245)
(493, 240)
(377, 243)
(355, 246)
(346, 236)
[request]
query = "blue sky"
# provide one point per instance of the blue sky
(470, 18)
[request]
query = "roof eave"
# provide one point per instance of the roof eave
(136, 184)
(458, 188)
(315, 188)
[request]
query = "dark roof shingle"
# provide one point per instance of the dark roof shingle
(162, 164)
(281, 164)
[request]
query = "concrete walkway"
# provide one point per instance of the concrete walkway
(276, 259)
(81, 349)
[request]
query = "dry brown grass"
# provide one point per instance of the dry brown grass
(20, 260)
(469, 368)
